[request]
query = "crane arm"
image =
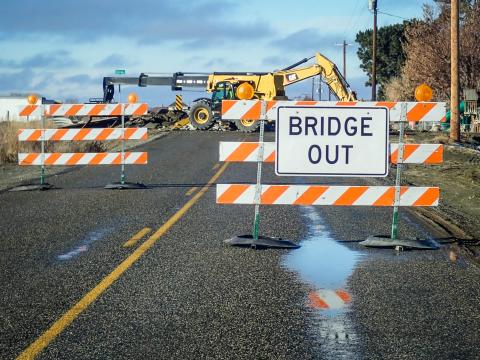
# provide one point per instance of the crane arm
(329, 71)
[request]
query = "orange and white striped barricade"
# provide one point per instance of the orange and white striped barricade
(426, 154)
(308, 195)
(122, 134)
(416, 111)
(53, 110)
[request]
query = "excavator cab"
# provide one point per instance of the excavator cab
(223, 91)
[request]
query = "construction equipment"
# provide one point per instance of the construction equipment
(204, 112)
(469, 110)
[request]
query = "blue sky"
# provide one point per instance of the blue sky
(63, 48)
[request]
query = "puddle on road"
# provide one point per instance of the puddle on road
(325, 265)
(89, 239)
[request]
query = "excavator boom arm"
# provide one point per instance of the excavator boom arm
(327, 69)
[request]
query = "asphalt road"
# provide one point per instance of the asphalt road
(70, 289)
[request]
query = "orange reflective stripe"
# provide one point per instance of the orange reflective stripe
(50, 160)
(227, 105)
(308, 103)
(316, 301)
(98, 158)
(346, 103)
(35, 135)
(129, 132)
(96, 109)
(254, 112)
(310, 195)
(242, 152)
(74, 109)
(271, 104)
(117, 111)
(142, 159)
(141, 109)
(388, 104)
(29, 159)
(428, 197)
(117, 160)
(104, 134)
(232, 193)
(409, 149)
(394, 156)
(419, 111)
(436, 157)
(273, 193)
(81, 134)
(53, 109)
(28, 110)
(58, 134)
(74, 159)
(270, 158)
(342, 294)
(388, 197)
(351, 195)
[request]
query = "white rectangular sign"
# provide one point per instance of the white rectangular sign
(332, 141)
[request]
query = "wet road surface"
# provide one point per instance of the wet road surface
(177, 292)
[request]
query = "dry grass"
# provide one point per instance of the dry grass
(10, 146)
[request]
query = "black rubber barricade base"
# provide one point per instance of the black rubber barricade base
(385, 241)
(262, 242)
(32, 187)
(124, 186)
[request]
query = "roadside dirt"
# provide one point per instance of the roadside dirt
(458, 178)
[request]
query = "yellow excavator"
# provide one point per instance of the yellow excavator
(263, 86)
(204, 112)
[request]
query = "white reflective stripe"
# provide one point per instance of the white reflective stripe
(372, 194)
(331, 195)
(239, 109)
(132, 157)
(109, 158)
(248, 196)
(422, 153)
(291, 194)
(25, 134)
(331, 298)
(411, 195)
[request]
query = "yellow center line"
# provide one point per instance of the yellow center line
(61, 324)
(191, 191)
(215, 167)
(133, 240)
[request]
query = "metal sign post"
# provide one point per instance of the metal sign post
(255, 240)
(403, 120)
(393, 240)
(42, 171)
(258, 186)
(132, 98)
(122, 176)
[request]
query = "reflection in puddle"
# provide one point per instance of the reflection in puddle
(326, 264)
(85, 244)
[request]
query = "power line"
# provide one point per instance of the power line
(392, 15)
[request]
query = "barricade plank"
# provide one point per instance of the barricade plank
(327, 195)
(131, 158)
(84, 134)
(248, 152)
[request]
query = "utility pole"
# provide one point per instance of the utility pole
(313, 87)
(454, 84)
(373, 7)
(344, 44)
